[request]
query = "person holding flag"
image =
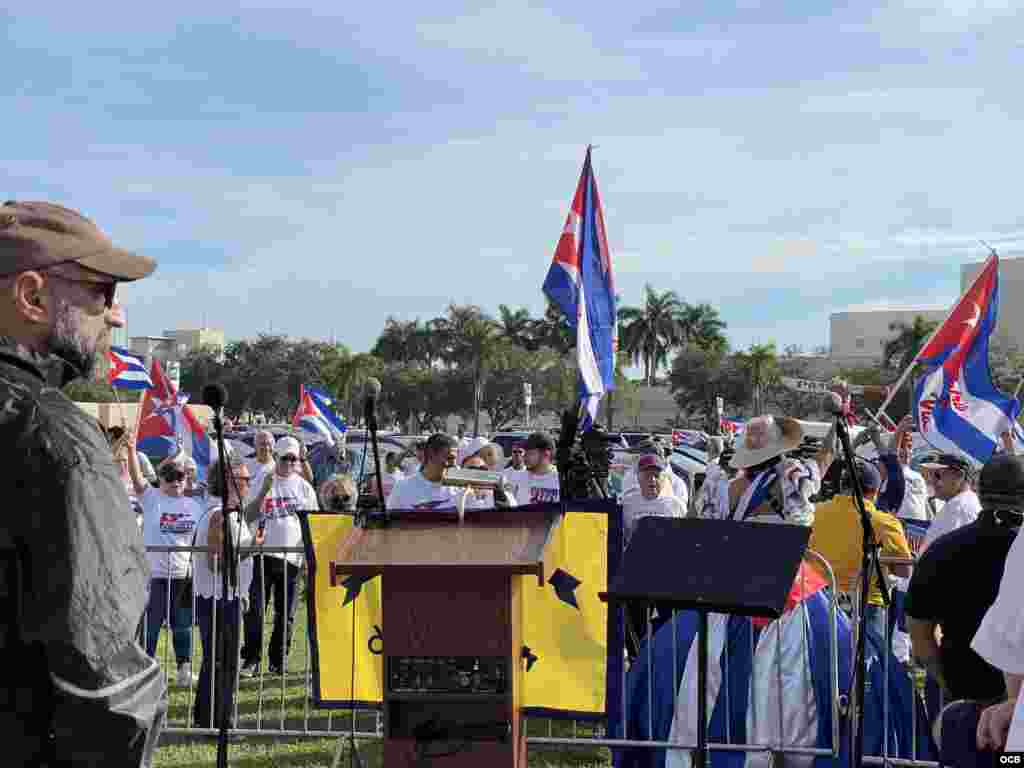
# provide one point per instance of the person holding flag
(957, 407)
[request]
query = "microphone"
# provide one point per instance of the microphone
(215, 396)
(371, 390)
(833, 404)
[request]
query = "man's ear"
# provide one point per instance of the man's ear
(31, 300)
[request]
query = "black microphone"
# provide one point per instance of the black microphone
(833, 404)
(371, 390)
(215, 396)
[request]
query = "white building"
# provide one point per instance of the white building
(1009, 331)
(857, 337)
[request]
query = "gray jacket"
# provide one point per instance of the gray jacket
(76, 688)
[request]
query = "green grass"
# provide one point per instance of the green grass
(265, 707)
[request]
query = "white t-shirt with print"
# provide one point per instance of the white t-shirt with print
(417, 492)
(281, 524)
(531, 488)
(958, 511)
(206, 578)
(257, 472)
(168, 521)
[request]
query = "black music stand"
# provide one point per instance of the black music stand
(710, 566)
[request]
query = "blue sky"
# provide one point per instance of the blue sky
(312, 170)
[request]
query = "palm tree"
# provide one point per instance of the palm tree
(703, 327)
(648, 333)
(899, 352)
(761, 364)
(517, 327)
(553, 331)
(469, 339)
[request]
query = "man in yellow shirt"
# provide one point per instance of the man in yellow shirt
(837, 536)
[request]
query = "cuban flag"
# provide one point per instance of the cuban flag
(316, 414)
(166, 423)
(580, 283)
(731, 427)
(958, 408)
(127, 371)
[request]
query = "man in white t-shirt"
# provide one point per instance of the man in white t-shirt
(284, 492)
(951, 476)
(423, 490)
(169, 518)
(538, 483)
(632, 479)
(261, 464)
(653, 496)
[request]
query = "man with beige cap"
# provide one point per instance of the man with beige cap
(78, 690)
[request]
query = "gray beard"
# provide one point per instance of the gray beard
(67, 342)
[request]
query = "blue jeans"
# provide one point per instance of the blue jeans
(874, 623)
(228, 621)
(161, 608)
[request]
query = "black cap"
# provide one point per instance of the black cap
(541, 441)
(948, 460)
(438, 441)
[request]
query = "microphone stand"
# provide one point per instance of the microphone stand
(870, 563)
(228, 578)
(371, 426)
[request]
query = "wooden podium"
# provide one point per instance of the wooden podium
(452, 628)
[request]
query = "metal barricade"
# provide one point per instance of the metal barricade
(280, 705)
(918, 676)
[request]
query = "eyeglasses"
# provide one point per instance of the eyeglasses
(109, 289)
(172, 476)
(288, 459)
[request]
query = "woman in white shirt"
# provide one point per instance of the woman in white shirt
(214, 614)
(168, 520)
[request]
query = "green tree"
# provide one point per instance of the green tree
(469, 339)
(761, 364)
(554, 330)
(517, 327)
(898, 352)
(698, 377)
(648, 333)
(703, 328)
(94, 391)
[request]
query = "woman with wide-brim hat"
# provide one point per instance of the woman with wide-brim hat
(774, 487)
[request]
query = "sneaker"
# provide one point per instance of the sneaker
(185, 677)
(249, 670)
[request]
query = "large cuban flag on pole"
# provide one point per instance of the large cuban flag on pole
(581, 284)
(959, 410)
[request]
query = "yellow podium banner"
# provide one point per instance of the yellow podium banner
(564, 622)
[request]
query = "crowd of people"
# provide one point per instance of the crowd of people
(83, 602)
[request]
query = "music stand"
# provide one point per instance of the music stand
(709, 566)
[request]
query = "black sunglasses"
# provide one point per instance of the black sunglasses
(289, 459)
(109, 289)
(172, 475)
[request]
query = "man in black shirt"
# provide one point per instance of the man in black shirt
(955, 582)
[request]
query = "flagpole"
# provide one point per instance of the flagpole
(120, 408)
(896, 387)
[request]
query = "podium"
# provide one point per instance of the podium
(452, 628)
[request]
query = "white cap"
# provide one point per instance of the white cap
(472, 447)
(286, 445)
